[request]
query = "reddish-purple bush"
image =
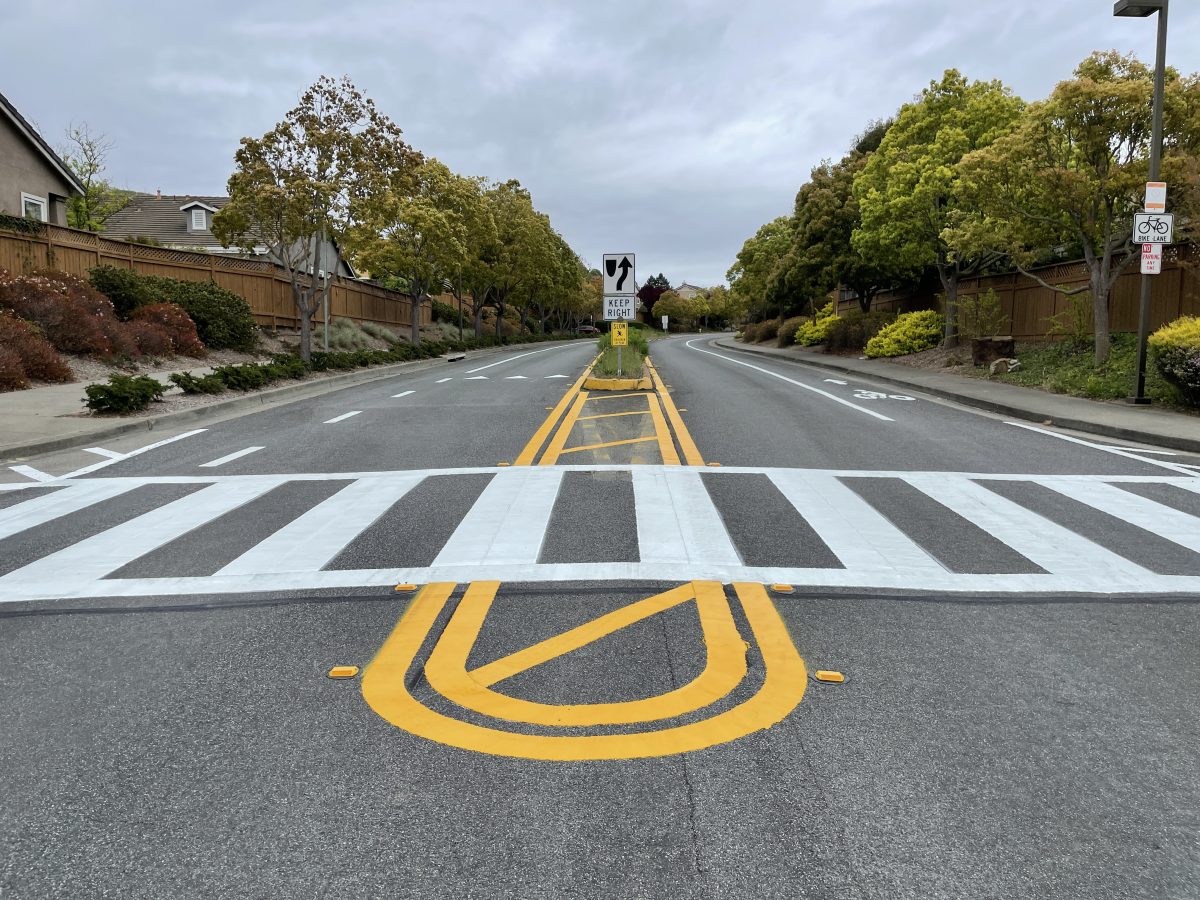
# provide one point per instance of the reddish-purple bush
(171, 318)
(71, 319)
(150, 338)
(12, 373)
(35, 357)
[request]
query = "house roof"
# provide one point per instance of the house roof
(162, 218)
(39, 142)
(694, 287)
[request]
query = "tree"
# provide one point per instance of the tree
(683, 310)
(501, 264)
(86, 154)
(424, 236)
(908, 191)
(655, 287)
(318, 176)
(1072, 173)
(751, 273)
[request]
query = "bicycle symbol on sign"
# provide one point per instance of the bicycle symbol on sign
(1146, 226)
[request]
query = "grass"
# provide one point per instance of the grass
(631, 356)
(1067, 367)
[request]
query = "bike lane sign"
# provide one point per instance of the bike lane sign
(1153, 228)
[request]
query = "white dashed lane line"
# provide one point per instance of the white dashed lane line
(402, 394)
(230, 457)
(443, 380)
(342, 417)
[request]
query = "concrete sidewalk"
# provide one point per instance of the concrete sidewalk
(1154, 425)
(53, 417)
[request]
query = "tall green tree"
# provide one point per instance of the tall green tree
(909, 189)
(424, 235)
(316, 177)
(1072, 173)
(86, 154)
(750, 276)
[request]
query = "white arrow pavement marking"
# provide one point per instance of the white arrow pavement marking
(444, 380)
(515, 378)
(402, 394)
(558, 376)
(31, 472)
(835, 381)
(342, 417)
(108, 462)
(476, 378)
(230, 458)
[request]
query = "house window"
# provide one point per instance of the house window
(34, 207)
(198, 220)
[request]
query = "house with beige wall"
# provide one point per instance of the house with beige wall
(34, 181)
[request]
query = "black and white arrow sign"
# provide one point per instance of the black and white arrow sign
(619, 277)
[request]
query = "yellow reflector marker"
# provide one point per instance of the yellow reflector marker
(343, 671)
(504, 464)
(782, 588)
(714, 465)
(406, 587)
(829, 677)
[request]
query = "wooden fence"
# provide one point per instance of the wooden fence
(1031, 308)
(264, 285)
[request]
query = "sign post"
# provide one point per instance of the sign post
(1152, 229)
(619, 337)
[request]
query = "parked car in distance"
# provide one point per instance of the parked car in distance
(587, 329)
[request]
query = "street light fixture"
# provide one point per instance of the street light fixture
(1140, 9)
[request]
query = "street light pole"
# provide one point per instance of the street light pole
(1141, 9)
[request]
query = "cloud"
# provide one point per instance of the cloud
(671, 128)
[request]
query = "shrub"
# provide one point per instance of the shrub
(980, 316)
(445, 312)
(223, 319)
(910, 333)
(810, 332)
(1076, 322)
(72, 318)
(345, 334)
(853, 330)
(1175, 349)
(149, 338)
(177, 324)
(246, 377)
(123, 394)
(787, 331)
(382, 332)
(749, 333)
(12, 372)
(28, 354)
(190, 384)
(125, 288)
(766, 331)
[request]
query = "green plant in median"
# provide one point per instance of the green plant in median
(123, 394)
(910, 333)
(981, 316)
(631, 356)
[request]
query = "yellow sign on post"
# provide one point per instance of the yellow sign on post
(620, 334)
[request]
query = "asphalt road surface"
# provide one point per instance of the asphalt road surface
(588, 628)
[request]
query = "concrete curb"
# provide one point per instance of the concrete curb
(1016, 412)
(245, 403)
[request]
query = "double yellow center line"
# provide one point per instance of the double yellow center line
(572, 404)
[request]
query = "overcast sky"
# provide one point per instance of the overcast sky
(672, 129)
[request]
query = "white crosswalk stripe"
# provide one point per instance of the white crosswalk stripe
(681, 533)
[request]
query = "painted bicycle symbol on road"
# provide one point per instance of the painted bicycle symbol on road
(863, 394)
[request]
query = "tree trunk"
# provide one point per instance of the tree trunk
(1103, 344)
(499, 321)
(415, 308)
(477, 315)
(949, 277)
(304, 311)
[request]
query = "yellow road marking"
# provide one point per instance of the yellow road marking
(447, 674)
(539, 437)
(690, 453)
(636, 412)
(641, 440)
(550, 457)
(384, 689)
(618, 396)
(666, 446)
